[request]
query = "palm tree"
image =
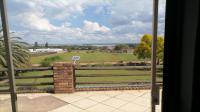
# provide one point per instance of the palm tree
(20, 53)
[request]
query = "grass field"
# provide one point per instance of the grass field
(96, 57)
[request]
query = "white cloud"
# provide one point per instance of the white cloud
(60, 9)
(36, 22)
(95, 27)
(125, 20)
(135, 17)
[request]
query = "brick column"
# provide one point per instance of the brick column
(63, 77)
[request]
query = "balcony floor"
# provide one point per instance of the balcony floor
(91, 101)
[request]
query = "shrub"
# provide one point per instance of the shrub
(47, 61)
(93, 51)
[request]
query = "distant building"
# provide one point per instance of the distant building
(110, 47)
(128, 51)
(46, 50)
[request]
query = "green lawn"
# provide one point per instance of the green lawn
(97, 57)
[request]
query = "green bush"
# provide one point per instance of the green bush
(47, 61)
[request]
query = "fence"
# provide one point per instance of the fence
(119, 84)
(29, 82)
(47, 79)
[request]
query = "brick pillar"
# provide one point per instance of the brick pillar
(63, 77)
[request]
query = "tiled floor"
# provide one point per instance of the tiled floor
(101, 101)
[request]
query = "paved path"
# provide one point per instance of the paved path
(96, 101)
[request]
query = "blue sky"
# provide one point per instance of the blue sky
(83, 21)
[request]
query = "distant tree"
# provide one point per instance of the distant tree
(69, 49)
(91, 48)
(143, 49)
(46, 44)
(121, 46)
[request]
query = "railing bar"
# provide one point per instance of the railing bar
(4, 77)
(4, 90)
(110, 75)
(4, 85)
(117, 68)
(30, 84)
(29, 77)
(113, 82)
(36, 84)
(28, 69)
(34, 69)
(139, 82)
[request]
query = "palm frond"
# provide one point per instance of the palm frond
(20, 53)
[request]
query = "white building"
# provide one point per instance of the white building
(46, 50)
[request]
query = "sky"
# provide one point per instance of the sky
(83, 21)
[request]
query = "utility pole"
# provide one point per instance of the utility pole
(9, 60)
(153, 56)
